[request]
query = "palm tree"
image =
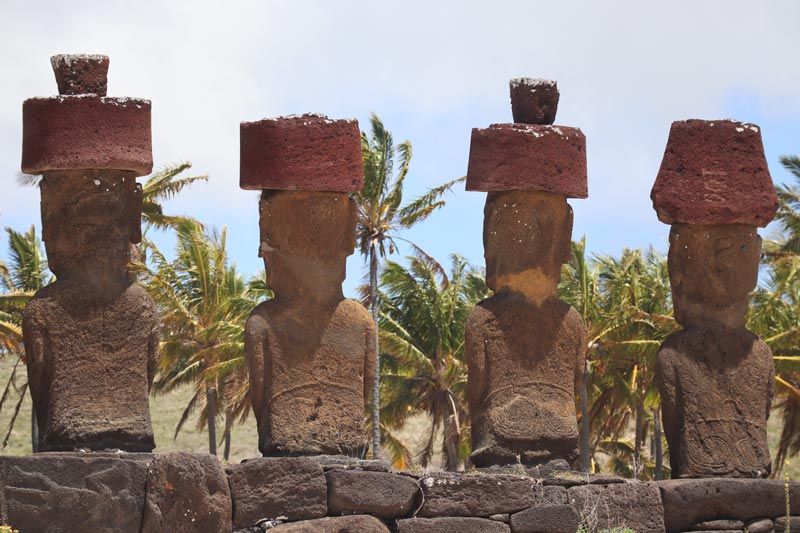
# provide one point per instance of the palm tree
(625, 303)
(775, 310)
(204, 303)
(26, 274)
(164, 185)
(380, 217)
(423, 315)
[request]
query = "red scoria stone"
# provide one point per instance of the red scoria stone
(714, 172)
(507, 157)
(86, 132)
(81, 73)
(308, 152)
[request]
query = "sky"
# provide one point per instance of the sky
(432, 71)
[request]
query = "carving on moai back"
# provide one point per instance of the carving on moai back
(91, 337)
(715, 377)
(525, 348)
(310, 350)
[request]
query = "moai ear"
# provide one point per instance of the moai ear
(567, 239)
(353, 219)
(136, 214)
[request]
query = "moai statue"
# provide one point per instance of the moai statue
(526, 348)
(310, 351)
(715, 377)
(91, 337)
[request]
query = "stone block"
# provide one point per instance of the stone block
(714, 172)
(451, 525)
(336, 524)
(270, 487)
(55, 492)
(546, 519)
(186, 493)
(307, 152)
(380, 494)
(545, 158)
(482, 495)
(633, 505)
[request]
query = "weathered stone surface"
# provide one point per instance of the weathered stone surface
(91, 337)
(528, 157)
(310, 350)
(501, 517)
(81, 73)
(794, 524)
(345, 462)
(308, 152)
(337, 524)
(55, 492)
(269, 487)
(525, 348)
(451, 525)
(546, 519)
(187, 492)
(760, 525)
(633, 505)
(714, 172)
(534, 100)
(605, 479)
(715, 377)
(482, 495)
(689, 501)
(718, 525)
(380, 494)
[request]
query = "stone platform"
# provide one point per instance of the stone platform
(183, 492)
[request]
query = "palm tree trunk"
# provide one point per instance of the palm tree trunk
(376, 384)
(638, 439)
(584, 444)
(212, 428)
(657, 438)
(227, 450)
(34, 431)
(450, 438)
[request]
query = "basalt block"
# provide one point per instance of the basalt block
(335, 524)
(546, 519)
(272, 487)
(308, 152)
(67, 492)
(528, 157)
(482, 495)
(635, 505)
(451, 525)
(714, 172)
(380, 494)
(187, 493)
(534, 100)
(689, 501)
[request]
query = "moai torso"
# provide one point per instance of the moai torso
(525, 348)
(716, 392)
(310, 351)
(309, 377)
(91, 361)
(524, 361)
(91, 337)
(715, 377)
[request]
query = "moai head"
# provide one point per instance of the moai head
(306, 166)
(715, 189)
(526, 239)
(529, 171)
(89, 221)
(89, 148)
(306, 238)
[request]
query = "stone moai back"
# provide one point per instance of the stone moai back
(91, 337)
(310, 351)
(715, 377)
(525, 348)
